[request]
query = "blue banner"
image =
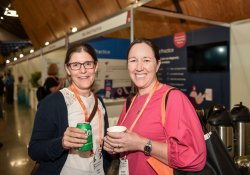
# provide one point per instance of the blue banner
(111, 48)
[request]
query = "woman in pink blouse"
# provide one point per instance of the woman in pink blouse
(179, 143)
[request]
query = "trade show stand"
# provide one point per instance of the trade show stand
(114, 108)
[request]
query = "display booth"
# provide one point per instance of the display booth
(240, 63)
(188, 60)
(197, 64)
(111, 53)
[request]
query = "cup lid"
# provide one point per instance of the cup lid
(117, 129)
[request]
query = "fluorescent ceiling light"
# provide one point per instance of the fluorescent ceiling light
(11, 13)
(74, 29)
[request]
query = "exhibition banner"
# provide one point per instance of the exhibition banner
(197, 64)
(53, 46)
(112, 79)
(118, 21)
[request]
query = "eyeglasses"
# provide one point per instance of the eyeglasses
(77, 65)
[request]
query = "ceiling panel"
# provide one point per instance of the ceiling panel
(218, 10)
(71, 14)
(96, 10)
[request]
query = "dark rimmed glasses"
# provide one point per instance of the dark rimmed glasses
(77, 65)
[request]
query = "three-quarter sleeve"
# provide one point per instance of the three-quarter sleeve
(185, 138)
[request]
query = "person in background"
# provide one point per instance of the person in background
(52, 82)
(179, 143)
(1, 100)
(55, 139)
(9, 87)
(1, 95)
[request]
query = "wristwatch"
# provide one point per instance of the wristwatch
(148, 148)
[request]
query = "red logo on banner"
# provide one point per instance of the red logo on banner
(128, 17)
(180, 39)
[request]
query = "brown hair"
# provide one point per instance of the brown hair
(149, 43)
(79, 48)
(53, 69)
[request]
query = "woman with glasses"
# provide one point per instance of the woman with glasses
(55, 139)
(174, 139)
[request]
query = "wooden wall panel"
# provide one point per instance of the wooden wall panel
(49, 20)
(218, 10)
(26, 19)
(57, 25)
(124, 3)
(97, 10)
(24, 12)
(152, 26)
(34, 40)
(123, 33)
(162, 4)
(52, 19)
(43, 34)
(34, 14)
(46, 8)
(71, 14)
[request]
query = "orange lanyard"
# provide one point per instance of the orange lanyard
(100, 127)
(156, 85)
(85, 111)
(72, 87)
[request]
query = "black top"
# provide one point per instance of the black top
(49, 83)
(46, 140)
(1, 87)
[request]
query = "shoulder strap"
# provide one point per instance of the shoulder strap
(91, 116)
(128, 102)
(164, 104)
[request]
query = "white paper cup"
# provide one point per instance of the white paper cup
(117, 129)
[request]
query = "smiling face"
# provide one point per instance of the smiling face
(142, 67)
(82, 78)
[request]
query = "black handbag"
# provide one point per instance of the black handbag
(35, 168)
(114, 166)
(218, 161)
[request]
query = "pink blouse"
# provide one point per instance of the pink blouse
(182, 132)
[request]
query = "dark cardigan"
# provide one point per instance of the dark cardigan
(50, 123)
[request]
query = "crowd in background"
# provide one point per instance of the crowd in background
(6, 91)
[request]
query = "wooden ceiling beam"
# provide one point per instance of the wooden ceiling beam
(182, 16)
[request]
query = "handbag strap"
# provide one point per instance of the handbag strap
(164, 105)
(91, 116)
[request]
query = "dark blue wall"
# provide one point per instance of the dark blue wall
(173, 70)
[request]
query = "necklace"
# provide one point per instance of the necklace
(143, 107)
(140, 100)
(138, 108)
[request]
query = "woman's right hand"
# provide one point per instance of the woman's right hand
(73, 138)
